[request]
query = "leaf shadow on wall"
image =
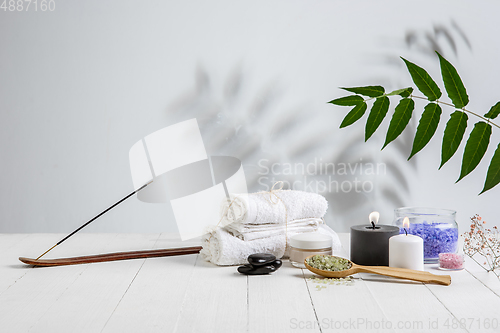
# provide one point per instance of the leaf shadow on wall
(237, 119)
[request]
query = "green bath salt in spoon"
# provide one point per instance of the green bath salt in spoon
(337, 267)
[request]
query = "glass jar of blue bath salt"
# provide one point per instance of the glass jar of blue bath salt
(437, 227)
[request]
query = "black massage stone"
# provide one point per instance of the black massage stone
(277, 263)
(260, 259)
(260, 270)
(260, 264)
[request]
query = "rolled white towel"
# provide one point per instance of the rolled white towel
(224, 249)
(264, 207)
(249, 232)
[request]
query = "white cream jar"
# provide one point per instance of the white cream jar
(308, 244)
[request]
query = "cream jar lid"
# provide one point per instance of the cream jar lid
(311, 241)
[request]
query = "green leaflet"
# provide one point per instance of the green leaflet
(377, 114)
(453, 134)
(400, 118)
(493, 175)
(423, 81)
(494, 111)
(426, 127)
(479, 138)
(357, 112)
(453, 84)
(475, 148)
(405, 92)
(370, 91)
(348, 100)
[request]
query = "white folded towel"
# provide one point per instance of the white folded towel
(264, 207)
(249, 232)
(222, 248)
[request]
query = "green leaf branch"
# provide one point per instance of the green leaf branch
(477, 142)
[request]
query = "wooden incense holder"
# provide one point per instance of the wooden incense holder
(112, 257)
(401, 273)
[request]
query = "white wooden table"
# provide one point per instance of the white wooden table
(186, 294)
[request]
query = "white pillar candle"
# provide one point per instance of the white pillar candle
(406, 251)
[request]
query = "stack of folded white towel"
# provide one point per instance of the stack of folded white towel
(260, 223)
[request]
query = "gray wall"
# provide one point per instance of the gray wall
(81, 84)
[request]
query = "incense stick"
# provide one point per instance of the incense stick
(94, 218)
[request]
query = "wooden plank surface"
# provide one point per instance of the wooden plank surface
(187, 294)
(153, 301)
(488, 279)
(373, 302)
(406, 305)
(215, 300)
(473, 305)
(464, 306)
(11, 269)
(54, 297)
(94, 294)
(280, 302)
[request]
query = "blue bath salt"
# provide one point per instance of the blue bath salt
(438, 237)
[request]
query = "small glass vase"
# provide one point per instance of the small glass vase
(437, 227)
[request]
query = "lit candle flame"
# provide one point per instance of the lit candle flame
(373, 217)
(406, 223)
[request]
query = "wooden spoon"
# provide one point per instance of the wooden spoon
(401, 273)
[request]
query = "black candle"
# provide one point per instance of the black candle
(370, 244)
